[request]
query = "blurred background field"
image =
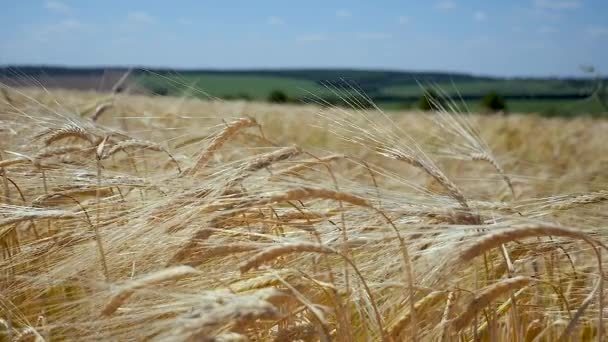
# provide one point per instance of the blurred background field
(390, 90)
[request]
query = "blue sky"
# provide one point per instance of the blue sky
(506, 38)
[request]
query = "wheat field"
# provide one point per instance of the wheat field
(126, 217)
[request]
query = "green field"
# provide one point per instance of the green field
(503, 87)
(222, 86)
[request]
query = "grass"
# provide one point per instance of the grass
(168, 218)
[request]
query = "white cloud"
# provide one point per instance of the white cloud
(311, 38)
(273, 20)
(558, 4)
(480, 16)
(63, 28)
(445, 5)
(547, 30)
(140, 17)
(343, 14)
(403, 20)
(58, 7)
(373, 35)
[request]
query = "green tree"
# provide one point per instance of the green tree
(430, 101)
(277, 96)
(493, 102)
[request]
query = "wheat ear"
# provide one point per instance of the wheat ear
(486, 296)
(219, 140)
(403, 320)
(68, 131)
(594, 197)
(492, 161)
(102, 108)
(434, 172)
(276, 251)
(495, 240)
(127, 290)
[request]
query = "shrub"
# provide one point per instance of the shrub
(239, 96)
(277, 96)
(160, 90)
(493, 102)
(430, 101)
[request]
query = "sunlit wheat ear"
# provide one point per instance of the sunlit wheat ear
(218, 141)
(486, 296)
(68, 131)
(139, 144)
(404, 319)
(128, 289)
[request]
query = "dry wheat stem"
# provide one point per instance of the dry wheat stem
(140, 144)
